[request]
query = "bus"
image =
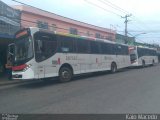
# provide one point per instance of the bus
(142, 56)
(43, 54)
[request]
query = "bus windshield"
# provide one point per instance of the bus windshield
(23, 49)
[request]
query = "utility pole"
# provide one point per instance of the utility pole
(126, 22)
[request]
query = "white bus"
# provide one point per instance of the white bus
(142, 56)
(42, 54)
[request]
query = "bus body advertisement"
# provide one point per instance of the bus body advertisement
(42, 54)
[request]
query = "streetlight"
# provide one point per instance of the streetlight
(139, 34)
(132, 39)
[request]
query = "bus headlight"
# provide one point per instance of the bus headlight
(27, 67)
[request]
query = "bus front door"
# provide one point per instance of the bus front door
(40, 71)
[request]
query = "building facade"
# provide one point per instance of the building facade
(9, 24)
(34, 17)
(9, 20)
(121, 39)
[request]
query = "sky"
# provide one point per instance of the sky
(144, 23)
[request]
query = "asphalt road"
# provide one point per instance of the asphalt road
(128, 91)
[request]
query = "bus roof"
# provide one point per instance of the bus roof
(78, 36)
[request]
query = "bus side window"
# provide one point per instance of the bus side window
(95, 47)
(108, 48)
(82, 46)
(122, 50)
(45, 46)
(66, 44)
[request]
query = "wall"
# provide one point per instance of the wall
(30, 16)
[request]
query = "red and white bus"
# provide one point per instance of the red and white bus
(42, 54)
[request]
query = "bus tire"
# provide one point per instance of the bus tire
(143, 63)
(113, 68)
(65, 74)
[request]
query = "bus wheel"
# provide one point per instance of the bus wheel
(65, 74)
(143, 63)
(113, 68)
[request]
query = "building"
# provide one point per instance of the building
(9, 20)
(34, 17)
(9, 24)
(121, 39)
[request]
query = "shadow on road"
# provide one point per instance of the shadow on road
(54, 81)
(39, 83)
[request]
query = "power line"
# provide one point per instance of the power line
(21, 3)
(84, 0)
(106, 2)
(142, 23)
(136, 38)
(68, 29)
(118, 7)
(147, 31)
(133, 16)
(137, 26)
(150, 37)
(101, 7)
(113, 6)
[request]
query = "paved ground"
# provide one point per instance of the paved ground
(128, 91)
(5, 81)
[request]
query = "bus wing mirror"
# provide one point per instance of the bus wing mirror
(11, 48)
